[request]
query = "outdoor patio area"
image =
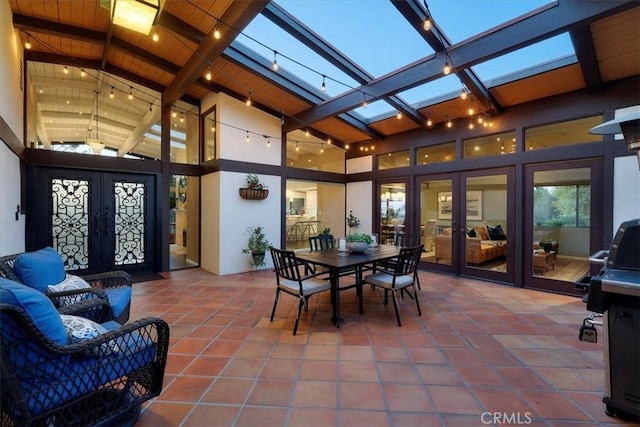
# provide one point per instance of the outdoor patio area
(479, 351)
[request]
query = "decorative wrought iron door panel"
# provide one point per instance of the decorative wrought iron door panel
(70, 221)
(129, 223)
(97, 221)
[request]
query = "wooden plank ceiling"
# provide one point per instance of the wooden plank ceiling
(79, 34)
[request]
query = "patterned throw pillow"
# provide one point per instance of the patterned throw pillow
(70, 283)
(80, 329)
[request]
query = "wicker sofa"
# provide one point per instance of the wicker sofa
(480, 248)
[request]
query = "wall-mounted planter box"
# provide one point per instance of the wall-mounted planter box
(253, 194)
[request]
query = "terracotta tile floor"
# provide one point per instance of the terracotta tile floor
(478, 348)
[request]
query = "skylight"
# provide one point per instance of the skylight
(294, 56)
(535, 54)
(374, 35)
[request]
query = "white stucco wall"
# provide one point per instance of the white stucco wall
(225, 215)
(626, 186)
(359, 202)
(360, 164)
(11, 101)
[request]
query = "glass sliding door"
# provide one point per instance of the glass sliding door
(486, 225)
(436, 220)
(560, 231)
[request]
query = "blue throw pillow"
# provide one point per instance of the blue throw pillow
(38, 307)
(496, 233)
(40, 269)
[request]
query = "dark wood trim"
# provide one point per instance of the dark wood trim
(586, 53)
(564, 16)
(10, 139)
(40, 157)
(235, 17)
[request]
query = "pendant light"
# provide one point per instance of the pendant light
(94, 143)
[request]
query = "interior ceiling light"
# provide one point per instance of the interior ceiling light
(216, 31)
(274, 64)
(94, 143)
(137, 15)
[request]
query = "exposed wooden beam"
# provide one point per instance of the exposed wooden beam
(237, 16)
(414, 13)
(582, 40)
(313, 41)
(564, 16)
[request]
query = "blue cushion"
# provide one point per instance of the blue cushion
(38, 307)
(40, 269)
(119, 299)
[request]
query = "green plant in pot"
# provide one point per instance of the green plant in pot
(257, 245)
(546, 244)
(358, 242)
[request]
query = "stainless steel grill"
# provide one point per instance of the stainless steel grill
(615, 293)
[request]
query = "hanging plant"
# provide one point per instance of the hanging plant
(255, 189)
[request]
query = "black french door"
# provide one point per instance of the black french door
(97, 221)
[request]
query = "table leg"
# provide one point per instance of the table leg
(334, 276)
(359, 289)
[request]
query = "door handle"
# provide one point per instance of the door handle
(106, 223)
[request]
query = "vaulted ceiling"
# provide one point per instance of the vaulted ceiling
(104, 58)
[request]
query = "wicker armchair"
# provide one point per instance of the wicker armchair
(100, 381)
(108, 286)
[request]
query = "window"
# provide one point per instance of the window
(394, 160)
(564, 133)
(436, 154)
(490, 145)
(310, 152)
(565, 205)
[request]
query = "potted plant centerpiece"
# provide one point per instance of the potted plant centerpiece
(352, 222)
(359, 242)
(257, 245)
(255, 189)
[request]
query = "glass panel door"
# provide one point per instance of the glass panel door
(436, 218)
(561, 225)
(393, 212)
(486, 223)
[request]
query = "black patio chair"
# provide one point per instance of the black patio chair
(403, 275)
(290, 281)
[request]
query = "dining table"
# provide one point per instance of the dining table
(339, 262)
